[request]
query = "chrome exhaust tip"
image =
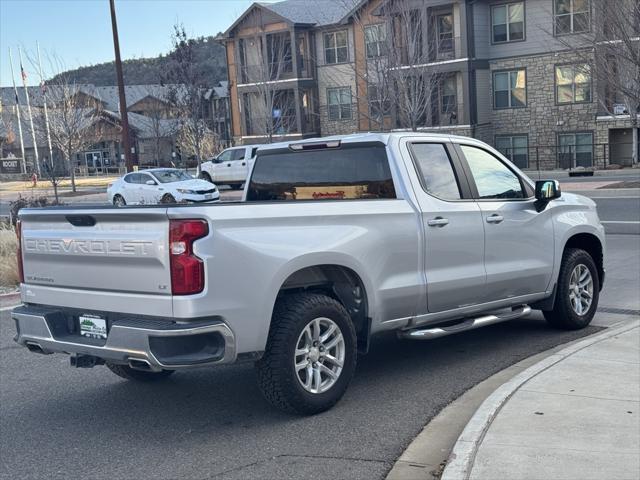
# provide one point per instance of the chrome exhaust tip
(140, 364)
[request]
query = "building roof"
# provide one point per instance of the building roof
(107, 94)
(318, 13)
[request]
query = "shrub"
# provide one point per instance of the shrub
(27, 202)
(8, 256)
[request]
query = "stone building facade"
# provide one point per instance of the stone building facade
(515, 84)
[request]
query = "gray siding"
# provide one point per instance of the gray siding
(539, 36)
(483, 95)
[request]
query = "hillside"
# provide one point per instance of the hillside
(209, 54)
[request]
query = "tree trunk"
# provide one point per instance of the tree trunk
(634, 147)
(55, 191)
(72, 170)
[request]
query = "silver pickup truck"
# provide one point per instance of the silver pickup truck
(335, 240)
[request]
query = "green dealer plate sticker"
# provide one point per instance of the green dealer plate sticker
(93, 327)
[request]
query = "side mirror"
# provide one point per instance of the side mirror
(150, 182)
(547, 190)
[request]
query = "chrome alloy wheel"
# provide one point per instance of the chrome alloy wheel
(581, 289)
(319, 355)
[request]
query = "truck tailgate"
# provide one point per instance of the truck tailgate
(110, 250)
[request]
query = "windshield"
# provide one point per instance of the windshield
(169, 176)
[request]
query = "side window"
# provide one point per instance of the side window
(143, 178)
(225, 156)
(237, 154)
(493, 178)
(436, 170)
(131, 178)
(358, 171)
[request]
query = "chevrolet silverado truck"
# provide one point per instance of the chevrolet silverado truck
(335, 240)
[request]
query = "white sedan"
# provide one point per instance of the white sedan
(160, 185)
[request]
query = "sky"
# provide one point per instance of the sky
(79, 31)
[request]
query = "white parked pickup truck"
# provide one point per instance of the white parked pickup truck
(335, 240)
(231, 167)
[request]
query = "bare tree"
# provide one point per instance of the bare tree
(400, 65)
(161, 128)
(71, 120)
(612, 49)
(199, 141)
(187, 86)
(265, 60)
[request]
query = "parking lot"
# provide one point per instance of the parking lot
(56, 421)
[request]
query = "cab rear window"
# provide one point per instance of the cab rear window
(346, 173)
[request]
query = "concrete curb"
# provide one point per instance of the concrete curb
(462, 457)
(8, 300)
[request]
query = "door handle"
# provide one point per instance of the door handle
(244, 164)
(495, 218)
(228, 164)
(438, 222)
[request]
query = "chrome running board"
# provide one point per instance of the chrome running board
(465, 325)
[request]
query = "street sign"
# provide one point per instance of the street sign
(10, 165)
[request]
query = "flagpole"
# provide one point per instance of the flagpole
(15, 89)
(26, 94)
(43, 89)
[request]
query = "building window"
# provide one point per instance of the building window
(444, 25)
(515, 148)
(448, 91)
(507, 22)
(571, 16)
(573, 83)
(575, 150)
(339, 103)
(510, 89)
(336, 49)
(379, 106)
(375, 37)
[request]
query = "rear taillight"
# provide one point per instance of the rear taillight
(19, 251)
(187, 270)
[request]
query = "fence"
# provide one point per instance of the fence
(592, 156)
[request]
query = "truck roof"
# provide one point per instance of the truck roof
(383, 137)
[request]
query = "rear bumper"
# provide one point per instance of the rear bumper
(154, 343)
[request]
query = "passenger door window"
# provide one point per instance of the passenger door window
(493, 178)
(436, 171)
(237, 154)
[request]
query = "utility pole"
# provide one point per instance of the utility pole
(123, 102)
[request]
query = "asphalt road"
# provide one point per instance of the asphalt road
(58, 422)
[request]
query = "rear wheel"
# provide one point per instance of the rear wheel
(310, 356)
(118, 201)
(577, 292)
(129, 373)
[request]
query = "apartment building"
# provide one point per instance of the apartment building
(498, 70)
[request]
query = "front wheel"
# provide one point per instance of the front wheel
(118, 200)
(205, 176)
(310, 356)
(577, 292)
(167, 198)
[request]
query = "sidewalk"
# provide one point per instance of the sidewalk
(574, 415)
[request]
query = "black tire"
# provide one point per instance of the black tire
(167, 198)
(563, 316)
(129, 373)
(206, 176)
(119, 201)
(276, 371)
